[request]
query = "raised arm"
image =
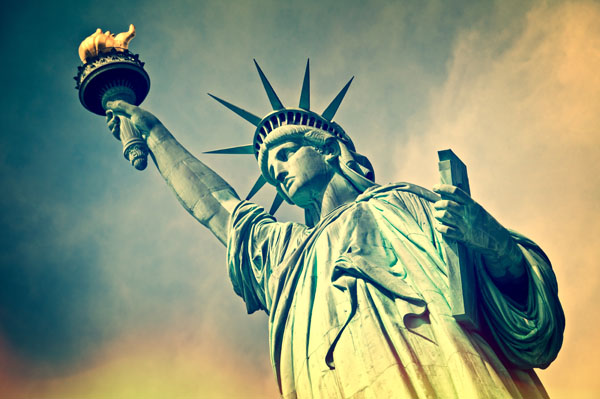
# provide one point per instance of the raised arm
(202, 192)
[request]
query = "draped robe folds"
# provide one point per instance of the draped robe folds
(359, 305)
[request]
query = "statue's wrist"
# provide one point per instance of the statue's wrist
(508, 263)
(157, 134)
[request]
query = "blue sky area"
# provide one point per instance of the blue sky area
(92, 251)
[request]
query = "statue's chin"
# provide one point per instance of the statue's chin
(298, 197)
(307, 190)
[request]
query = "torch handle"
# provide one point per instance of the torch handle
(135, 149)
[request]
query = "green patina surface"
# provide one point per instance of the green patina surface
(359, 305)
(361, 297)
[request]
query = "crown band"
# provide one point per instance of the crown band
(299, 117)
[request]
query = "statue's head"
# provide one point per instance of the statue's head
(299, 150)
(301, 160)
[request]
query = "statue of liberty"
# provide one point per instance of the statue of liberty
(358, 295)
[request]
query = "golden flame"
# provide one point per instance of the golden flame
(104, 42)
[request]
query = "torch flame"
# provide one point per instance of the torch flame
(104, 42)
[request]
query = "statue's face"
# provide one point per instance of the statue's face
(301, 171)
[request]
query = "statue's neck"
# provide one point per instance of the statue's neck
(339, 191)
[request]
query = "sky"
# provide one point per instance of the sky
(109, 289)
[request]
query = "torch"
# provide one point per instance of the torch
(111, 72)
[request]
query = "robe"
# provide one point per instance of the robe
(358, 305)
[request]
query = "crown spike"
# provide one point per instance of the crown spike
(260, 182)
(305, 94)
(275, 102)
(255, 120)
(276, 204)
(333, 107)
(242, 149)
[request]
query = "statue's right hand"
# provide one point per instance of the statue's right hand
(143, 120)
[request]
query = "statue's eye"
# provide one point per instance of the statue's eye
(282, 155)
(285, 153)
(289, 152)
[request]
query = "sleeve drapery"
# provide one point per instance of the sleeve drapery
(529, 335)
(257, 245)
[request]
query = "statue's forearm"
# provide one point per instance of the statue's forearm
(507, 262)
(508, 270)
(202, 192)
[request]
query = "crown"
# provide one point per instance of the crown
(280, 116)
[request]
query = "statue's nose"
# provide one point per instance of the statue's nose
(279, 171)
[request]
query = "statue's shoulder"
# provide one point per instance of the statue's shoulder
(400, 201)
(400, 189)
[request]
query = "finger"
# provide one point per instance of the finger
(113, 124)
(448, 191)
(111, 116)
(121, 107)
(449, 232)
(450, 219)
(116, 134)
(448, 204)
(458, 211)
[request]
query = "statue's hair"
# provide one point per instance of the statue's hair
(355, 167)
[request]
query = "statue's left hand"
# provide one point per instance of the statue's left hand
(461, 218)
